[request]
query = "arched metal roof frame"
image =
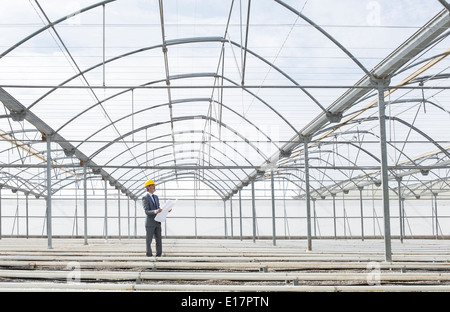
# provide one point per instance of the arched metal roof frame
(360, 120)
(213, 178)
(408, 125)
(21, 184)
(79, 177)
(401, 101)
(324, 172)
(198, 151)
(363, 120)
(47, 132)
(109, 1)
(416, 62)
(395, 61)
(284, 174)
(171, 176)
(370, 178)
(182, 101)
(178, 119)
(417, 79)
(210, 181)
(281, 170)
(196, 100)
(167, 43)
(367, 152)
(395, 119)
(52, 24)
(29, 183)
(57, 181)
(203, 132)
(180, 152)
(331, 38)
(176, 77)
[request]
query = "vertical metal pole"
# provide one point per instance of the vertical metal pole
(314, 216)
(272, 186)
(128, 217)
(240, 214)
(118, 214)
(135, 220)
(253, 211)
(344, 214)
(436, 215)
(400, 212)
(26, 213)
(104, 44)
(195, 208)
(381, 85)
(17, 216)
(308, 195)
(360, 188)
(334, 213)
(195, 216)
(49, 192)
(165, 228)
(432, 217)
(403, 217)
(85, 203)
(225, 218)
(165, 223)
(106, 210)
(76, 213)
(231, 217)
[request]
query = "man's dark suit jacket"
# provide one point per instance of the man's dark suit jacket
(150, 209)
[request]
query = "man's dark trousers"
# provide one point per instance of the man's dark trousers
(154, 230)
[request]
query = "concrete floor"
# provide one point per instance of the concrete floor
(223, 265)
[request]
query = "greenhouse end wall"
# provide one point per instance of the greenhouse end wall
(205, 218)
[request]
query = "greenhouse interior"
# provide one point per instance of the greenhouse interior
(264, 120)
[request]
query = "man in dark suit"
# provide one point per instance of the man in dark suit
(153, 228)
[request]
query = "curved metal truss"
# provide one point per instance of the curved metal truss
(227, 95)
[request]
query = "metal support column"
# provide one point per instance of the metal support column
(49, 192)
(106, 211)
(231, 217)
(225, 218)
(135, 220)
(240, 214)
(272, 186)
(308, 195)
(195, 210)
(403, 218)
(118, 214)
(334, 213)
(253, 211)
(400, 204)
(360, 188)
(128, 216)
(381, 84)
(85, 203)
(436, 223)
(26, 214)
(314, 217)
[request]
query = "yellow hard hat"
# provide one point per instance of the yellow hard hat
(149, 182)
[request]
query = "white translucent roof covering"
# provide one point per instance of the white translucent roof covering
(224, 92)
